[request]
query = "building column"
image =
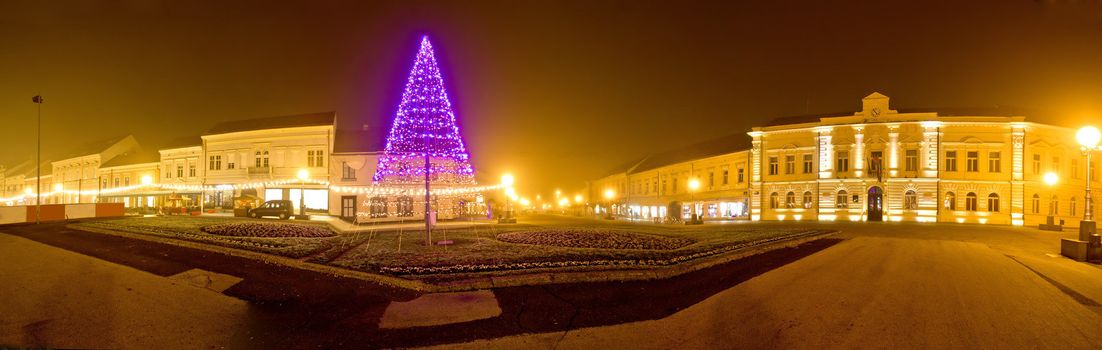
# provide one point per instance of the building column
(826, 152)
(930, 149)
(893, 150)
(1017, 183)
(858, 150)
(755, 176)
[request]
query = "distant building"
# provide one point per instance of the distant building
(877, 164)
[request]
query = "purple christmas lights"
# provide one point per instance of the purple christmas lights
(424, 124)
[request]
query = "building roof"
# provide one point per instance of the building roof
(714, 147)
(287, 121)
(136, 156)
(181, 142)
(357, 141)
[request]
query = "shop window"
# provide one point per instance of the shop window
(809, 200)
(378, 207)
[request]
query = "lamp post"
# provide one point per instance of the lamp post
(610, 194)
(694, 184)
(303, 175)
(37, 99)
(507, 181)
(1088, 137)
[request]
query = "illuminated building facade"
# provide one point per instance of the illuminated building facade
(879, 164)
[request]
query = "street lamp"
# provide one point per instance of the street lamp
(37, 99)
(303, 175)
(694, 184)
(1088, 137)
(510, 195)
(609, 195)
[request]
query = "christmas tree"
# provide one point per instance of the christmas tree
(424, 127)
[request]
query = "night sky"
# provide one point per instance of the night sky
(557, 92)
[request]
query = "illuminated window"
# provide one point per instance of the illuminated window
(790, 200)
(994, 162)
(808, 167)
(911, 163)
(841, 200)
(808, 200)
(405, 206)
(773, 200)
(842, 162)
(950, 201)
(378, 207)
(773, 166)
(970, 201)
(789, 164)
(951, 161)
(910, 200)
(1036, 203)
(993, 202)
(973, 162)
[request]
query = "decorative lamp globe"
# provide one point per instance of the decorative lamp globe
(1088, 136)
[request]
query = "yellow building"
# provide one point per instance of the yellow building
(877, 164)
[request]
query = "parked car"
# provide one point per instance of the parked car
(281, 208)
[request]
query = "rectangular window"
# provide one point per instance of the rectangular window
(211, 161)
(842, 165)
(230, 165)
(911, 162)
(664, 188)
(951, 161)
(741, 175)
(994, 162)
(217, 162)
(310, 159)
(789, 164)
(675, 185)
(808, 167)
(1036, 164)
(711, 179)
(1074, 169)
(179, 171)
(126, 181)
(726, 174)
(319, 158)
(347, 173)
(773, 166)
(191, 170)
(1055, 165)
(116, 182)
(973, 161)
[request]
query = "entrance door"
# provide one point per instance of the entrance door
(876, 204)
(348, 207)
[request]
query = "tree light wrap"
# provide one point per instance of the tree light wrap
(424, 124)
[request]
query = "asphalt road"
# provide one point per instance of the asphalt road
(872, 286)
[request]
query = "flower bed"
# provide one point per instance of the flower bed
(594, 238)
(262, 229)
(667, 260)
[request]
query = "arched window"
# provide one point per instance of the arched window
(808, 200)
(1036, 203)
(950, 201)
(842, 200)
(773, 200)
(1072, 205)
(790, 200)
(1054, 205)
(910, 200)
(970, 201)
(257, 158)
(265, 159)
(378, 207)
(993, 202)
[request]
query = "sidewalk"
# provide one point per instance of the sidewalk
(56, 298)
